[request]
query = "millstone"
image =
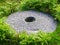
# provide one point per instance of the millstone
(32, 21)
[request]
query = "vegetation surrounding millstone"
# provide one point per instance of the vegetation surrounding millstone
(8, 7)
(6, 33)
(56, 12)
(48, 6)
(40, 5)
(58, 1)
(9, 37)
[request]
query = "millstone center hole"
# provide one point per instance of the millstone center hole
(30, 19)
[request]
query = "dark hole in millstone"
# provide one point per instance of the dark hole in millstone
(30, 19)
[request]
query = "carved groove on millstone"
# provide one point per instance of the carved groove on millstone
(32, 21)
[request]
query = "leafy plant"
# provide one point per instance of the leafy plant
(41, 5)
(6, 32)
(7, 8)
(56, 12)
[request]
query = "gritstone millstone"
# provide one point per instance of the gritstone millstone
(31, 21)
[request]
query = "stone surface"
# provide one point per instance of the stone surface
(20, 21)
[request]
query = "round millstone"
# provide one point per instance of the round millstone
(32, 21)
